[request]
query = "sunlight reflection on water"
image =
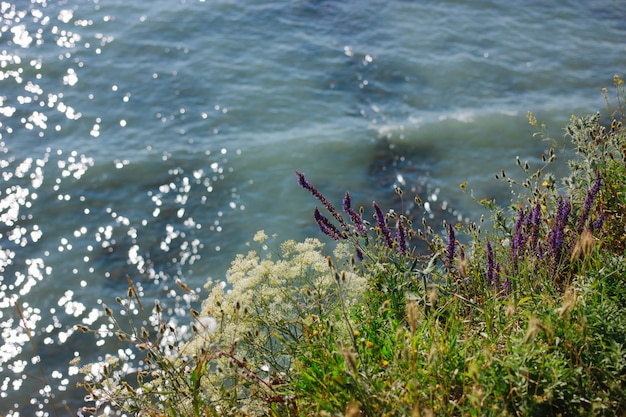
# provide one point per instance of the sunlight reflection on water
(155, 243)
(152, 139)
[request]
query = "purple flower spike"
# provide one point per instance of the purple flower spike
(326, 226)
(557, 234)
(347, 202)
(354, 216)
(327, 204)
(591, 196)
(450, 248)
(491, 265)
(382, 225)
(599, 221)
(401, 236)
(506, 286)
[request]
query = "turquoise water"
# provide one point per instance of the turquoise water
(154, 138)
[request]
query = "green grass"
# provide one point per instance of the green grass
(525, 319)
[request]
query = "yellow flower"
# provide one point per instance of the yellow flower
(369, 344)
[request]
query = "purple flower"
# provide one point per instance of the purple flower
(326, 226)
(327, 204)
(591, 196)
(401, 236)
(599, 221)
(354, 216)
(450, 248)
(381, 222)
(491, 265)
(506, 286)
(347, 203)
(359, 253)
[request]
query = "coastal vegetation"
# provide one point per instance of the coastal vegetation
(520, 312)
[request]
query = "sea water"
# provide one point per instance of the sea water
(152, 139)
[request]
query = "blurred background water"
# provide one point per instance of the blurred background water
(154, 138)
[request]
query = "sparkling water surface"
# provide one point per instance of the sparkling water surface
(152, 139)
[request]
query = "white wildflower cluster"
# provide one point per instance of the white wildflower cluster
(259, 319)
(247, 339)
(265, 293)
